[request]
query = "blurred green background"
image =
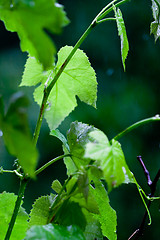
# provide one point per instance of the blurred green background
(123, 98)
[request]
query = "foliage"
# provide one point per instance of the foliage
(7, 202)
(80, 208)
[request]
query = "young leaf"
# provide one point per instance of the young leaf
(40, 210)
(122, 34)
(155, 25)
(78, 137)
(56, 186)
(77, 79)
(110, 158)
(54, 232)
(70, 165)
(7, 203)
(30, 19)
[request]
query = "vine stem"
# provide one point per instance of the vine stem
(51, 162)
(136, 125)
(23, 184)
(107, 9)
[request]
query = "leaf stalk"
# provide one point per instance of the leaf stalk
(50, 163)
(136, 125)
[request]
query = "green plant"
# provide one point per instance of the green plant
(79, 209)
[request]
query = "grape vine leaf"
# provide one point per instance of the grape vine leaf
(7, 203)
(123, 35)
(93, 228)
(78, 137)
(70, 165)
(77, 79)
(155, 25)
(40, 212)
(56, 186)
(16, 134)
(70, 213)
(97, 210)
(110, 158)
(54, 232)
(107, 215)
(30, 19)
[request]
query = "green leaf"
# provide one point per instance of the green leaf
(71, 167)
(41, 210)
(56, 186)
(110, 158)
(17, 136)
(77, 79)
(122, 34)
(20, 146)
(54, 232)
(30, 19)
(7, 203)
(78, 137)
(83, 184)
(155, 26)
(93, 228)
(70, 213)
(107, 215)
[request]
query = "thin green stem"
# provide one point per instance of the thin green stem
(102, 12)
(50, 163)
(11, 171)
(100, 17)
(136, 125)
(105, 20)
(16, 208)
(6, 171)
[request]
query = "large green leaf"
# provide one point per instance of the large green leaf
(110, 158)
(54, 232)
(122, 34)
(17, 136)
(155, 25)
(77, 79)
(30, 19)
(7, 203)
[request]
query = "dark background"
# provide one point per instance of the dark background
(123, 98)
